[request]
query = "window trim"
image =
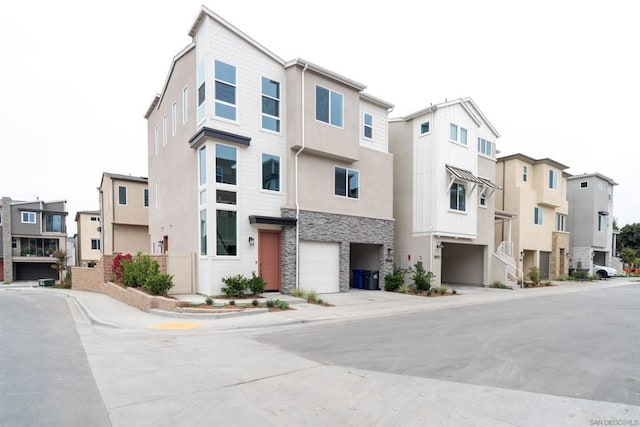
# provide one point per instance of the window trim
(482, 200)
(347, 170)
(365, 126)
(201, 86)
(586, 184)
(145, 197)
(30, 214)
(174, 118)
(538, 215)
(428, 123)
(485, 147)
(553, 179)
(268, 190)
(457, 209)
(126, 195)
(561, 222)
(525, 173)
(226, 209)
(330, 122)
(221, 183)
(203, 232)
(156, 140)
(459, 132)
(97, 245)
(278, 118)
(235, 93)
(164, 130)
(185, 105)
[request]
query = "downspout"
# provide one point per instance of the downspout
(113, 217)
(296, 180)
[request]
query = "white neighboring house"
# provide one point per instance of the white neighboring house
(444, 192)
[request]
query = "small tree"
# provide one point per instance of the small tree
(61, 263)
(534, 275)
(422, 278)
(628, 256)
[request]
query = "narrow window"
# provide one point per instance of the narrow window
(560, 222)
(525, 173)
(329, 106)
(424, 128)
(146, 198)
(226, 232)
(185, 105)
(225, 91)
(156, 140)
(122, 195)
(157, 195)
(203, 232)
(174, 118)
(601, 223)
(553, 179)
(95, 244)
(202, 165)
(537, 215)
(270, 104)
(457, 197)
(483, 198)
(201, 96)
(164, 130)
(367, 131)
(226, 164)
(270, 172)
(584, 184)
(463, 136)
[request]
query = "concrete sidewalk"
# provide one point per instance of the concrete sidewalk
(355, 304)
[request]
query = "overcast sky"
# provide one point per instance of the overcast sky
(558, 79)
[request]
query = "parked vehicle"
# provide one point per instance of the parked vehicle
(605, 272)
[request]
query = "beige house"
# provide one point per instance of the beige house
(262, 165)
(536, 191)
(88, 246)
(124, 210)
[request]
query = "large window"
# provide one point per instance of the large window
(484, 147)
(367, 130)
(457, 197)
(202, 166)
(553, 179)
(145, 196)
(226, 233)
(457, 134)
(537, 215)
(201, 95)
(203, 232)
(270, 172)
(226, 164)
(225, 88)
(347, 183)
(270, 104)
(95, 244)
(53, 223)
(122, 195)
(329, 106)
(28, 217)
(561, 221)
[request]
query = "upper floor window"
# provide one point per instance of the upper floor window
(122, 195)
(270, 172)
(537, 215)
(14, 243)
(601, 186)
(164, 130)
(484, 147)
(202, 166)
(201, 95)
(347, 183)
(525, 173)
(225, 89)
(94, 219)
(602, 224)
(367, 130)
(457, 134)
(457, 197)
(53, 223)
(185, 105)
(95, 244)
(145, 197)
(584, 184)
(483, 199)
(156, 140)
(553, 179)
(174, 118)
(157, 194)
(425, 128)
(270, 104)
(329, 106)
(226, 164)
(28, 217)
(561, 222)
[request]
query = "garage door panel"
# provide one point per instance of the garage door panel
(35, 271)
(320, 266)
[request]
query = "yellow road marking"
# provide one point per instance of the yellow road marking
(176, 325)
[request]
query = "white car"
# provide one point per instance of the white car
(605, 272)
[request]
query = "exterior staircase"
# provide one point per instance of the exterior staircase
(513, 276)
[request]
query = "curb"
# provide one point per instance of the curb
(93, 320)
(178, 315)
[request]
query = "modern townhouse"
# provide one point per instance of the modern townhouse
(87, 240)
(445, 192)
(590, 222)
(261, 165)
(124, 206)
(30, 232)
(536, 191)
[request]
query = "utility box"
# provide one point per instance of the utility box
(46, 282)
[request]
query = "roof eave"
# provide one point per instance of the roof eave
(326, 73)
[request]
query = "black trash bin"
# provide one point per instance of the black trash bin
(371, 280)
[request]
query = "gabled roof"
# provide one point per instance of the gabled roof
(327, 73)
(375, 100)
(469, 106)
(594, 174)
(533, 161)
(78, 213)
(123, 178)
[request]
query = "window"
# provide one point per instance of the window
(457, 134)
(329, 106)
(28, 217)
(424, 128)
(164, 130)
(270, 172)
(203, 232)
(157, 195)
(602, 224)
(270, 104)
(185, 105)
(484, 147)
(483, 199)
(525, 173)
(201, 96)
(453, 132)
(14, 243)
(145, 196)
(226, 232)
(561, 222)
(463, 136)
(537, 216)
(347, 183)
(601, 186)
(457, 197)
(53, 223)
(367, 131)
(156, 141)
(203, 197)
(225, 164)
(174, 118)
(94, 219)
(226, 197)
(584, 184)
(122, 195)
(202, 165)
(95, 244)
(553, 179)
(225, 88)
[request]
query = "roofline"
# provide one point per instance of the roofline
(592, 174)
(326, 73)
(204, 11)
(24, 202)
(375, 100)
(532, 160)
(122, 178)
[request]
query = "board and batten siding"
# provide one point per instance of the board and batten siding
(380, 139)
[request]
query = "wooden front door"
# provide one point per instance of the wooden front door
(269, 258)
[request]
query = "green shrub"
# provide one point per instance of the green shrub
(403, 289)
(256, 284)
(562, 278)
(453, 291)
(254, 303)
(236, 285)
(534, 275)
(393, 281)
(208, 301)
(499, 285)
(580, 274)
(421, 278)
(159, 283)
(312, 296)
(232, 302)
(271, 303)
(137, 270)
(282, 305)
(547, 283)
(319, 301)
(443, 290)
(429, 292)
(298, 293)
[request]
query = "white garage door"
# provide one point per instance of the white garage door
(320, 266)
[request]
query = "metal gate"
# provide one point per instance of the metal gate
(544, 265)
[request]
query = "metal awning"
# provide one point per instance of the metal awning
(272, 220)
(487, 183)
(464, 175)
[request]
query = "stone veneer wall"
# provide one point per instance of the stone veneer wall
(345, 229)
(559, 240)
